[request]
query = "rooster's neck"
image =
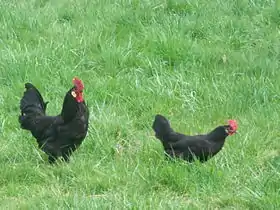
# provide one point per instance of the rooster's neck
(69, 108)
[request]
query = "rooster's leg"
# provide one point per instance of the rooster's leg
(52, 159)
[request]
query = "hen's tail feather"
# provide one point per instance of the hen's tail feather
(31, 105)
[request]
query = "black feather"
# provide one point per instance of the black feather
(189, 148)
(56, 135)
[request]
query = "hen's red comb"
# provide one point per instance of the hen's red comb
(78, 84)
(233, 124)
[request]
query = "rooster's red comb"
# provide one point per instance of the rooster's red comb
(78, 84)
(233, 124)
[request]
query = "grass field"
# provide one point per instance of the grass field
(199, 63)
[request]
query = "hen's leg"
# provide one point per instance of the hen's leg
(66, 156)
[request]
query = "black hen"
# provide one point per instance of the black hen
(56, 135)
(189, 148)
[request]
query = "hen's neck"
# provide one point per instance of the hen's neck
(218, 134)
(165, 135)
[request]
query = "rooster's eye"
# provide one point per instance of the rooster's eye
(74, 94)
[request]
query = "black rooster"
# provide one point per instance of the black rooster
(56, 135)
(189, 148)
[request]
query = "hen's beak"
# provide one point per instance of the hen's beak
(234, 132)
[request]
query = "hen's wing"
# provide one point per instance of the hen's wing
(181, 145)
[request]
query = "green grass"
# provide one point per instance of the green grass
(197, 62)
